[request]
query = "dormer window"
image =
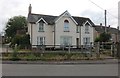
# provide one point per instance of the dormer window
(41, 27)
(66, 26)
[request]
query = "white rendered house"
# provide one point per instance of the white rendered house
(57, 31)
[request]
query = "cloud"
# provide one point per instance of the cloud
(99, 17)
(8, 9)
(96, 17)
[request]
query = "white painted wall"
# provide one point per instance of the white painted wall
(48, 34)
(60, 30)
(29, 30)
(83, 34)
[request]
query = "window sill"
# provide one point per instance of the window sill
(41, 31)
(87, 33)
(66, 31)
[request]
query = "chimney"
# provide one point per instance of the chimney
(30, 9)
(118, 28)
(101, 25)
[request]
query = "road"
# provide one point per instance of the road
(60, 70)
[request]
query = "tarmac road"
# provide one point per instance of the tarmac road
(60, 70)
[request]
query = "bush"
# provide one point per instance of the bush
(14, 55)
(23, 41)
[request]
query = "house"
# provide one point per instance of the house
(115, 33)
(59, 31)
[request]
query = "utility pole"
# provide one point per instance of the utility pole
(105, 21)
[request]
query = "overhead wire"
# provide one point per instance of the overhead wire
(103, 9)
(116, 17)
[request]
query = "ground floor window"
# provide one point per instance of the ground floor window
(40, 40)
(66, 40)
(86, 41)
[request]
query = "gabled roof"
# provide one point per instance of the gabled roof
(63, 14)
(33, 18)
(111, 30)
(82, 20)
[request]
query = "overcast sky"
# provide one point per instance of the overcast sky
(82, 8)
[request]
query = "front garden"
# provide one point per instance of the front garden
(51, 56)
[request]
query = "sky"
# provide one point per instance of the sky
(93, 9)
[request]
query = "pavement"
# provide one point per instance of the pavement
(105, 61)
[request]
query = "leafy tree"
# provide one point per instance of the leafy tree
(23, 41)
(104, 37)
(15, 23)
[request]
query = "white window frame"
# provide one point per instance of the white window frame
(77, 29)
(41, 27)
(66, 26)
(86, 29)
(40, 40)
(66, 40)
(86, 40)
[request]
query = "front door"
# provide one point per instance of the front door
(77, 42)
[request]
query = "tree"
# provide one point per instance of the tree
(23, 41)
(15, 23)
(104, 37)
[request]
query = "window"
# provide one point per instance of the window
(40, 40)
(86, 29)
(41, 27)
(77, 29)
(66, 26)
(66, 40)
(86, 40)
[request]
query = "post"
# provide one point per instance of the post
(112, 49)
(118, 50)
(63, 47)
(105, 21)
(91, 49)
(98, 49)
(69, 48)
(6, 48)
(42, 48)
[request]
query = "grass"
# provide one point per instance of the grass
(50, 56)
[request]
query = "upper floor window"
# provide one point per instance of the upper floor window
(77, 29)
(66, 26)
(41, 26)
(87, 29)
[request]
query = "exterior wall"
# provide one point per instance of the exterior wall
(83, 34)
(114, 37)
(96, 34)
(29, 30)
(48, 34)
(59, 30)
